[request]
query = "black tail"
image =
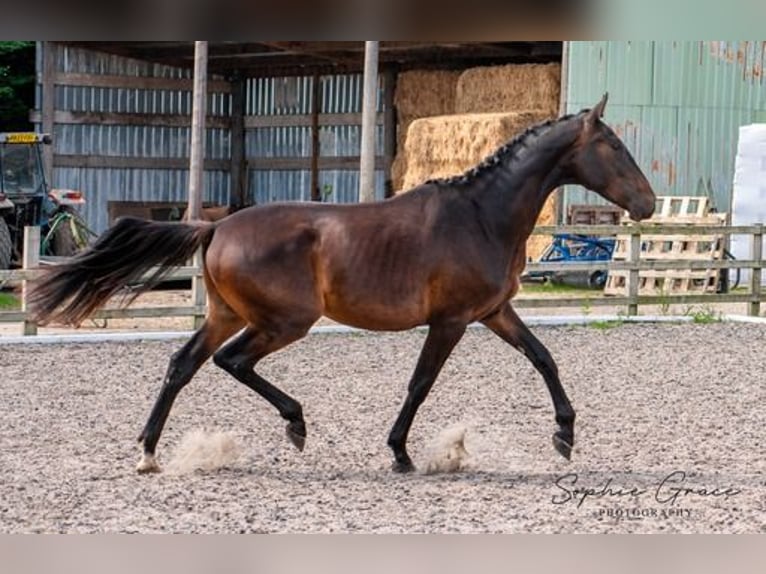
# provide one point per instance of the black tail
(123, 254)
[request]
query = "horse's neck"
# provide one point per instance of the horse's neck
(517, 190)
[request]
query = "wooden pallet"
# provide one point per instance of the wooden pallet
(683, 206)
(690, 246)
(594, 215)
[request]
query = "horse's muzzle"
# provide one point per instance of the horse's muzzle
(642, 211)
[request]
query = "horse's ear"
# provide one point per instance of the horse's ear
(598, 111)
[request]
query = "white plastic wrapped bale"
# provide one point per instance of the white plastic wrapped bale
(749, 190)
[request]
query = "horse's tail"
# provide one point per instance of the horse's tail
(71, 291)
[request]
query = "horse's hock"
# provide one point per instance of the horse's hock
(450, 121)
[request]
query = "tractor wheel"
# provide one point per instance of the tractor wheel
(597, 279)
(6, 245)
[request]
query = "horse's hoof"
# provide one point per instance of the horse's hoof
(563, 447)
(403, 467)
(148, 465)
(296, 432)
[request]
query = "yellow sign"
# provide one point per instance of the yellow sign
(18, 138)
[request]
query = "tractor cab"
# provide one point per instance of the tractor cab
(26, 200)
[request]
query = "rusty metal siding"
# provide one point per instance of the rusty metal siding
(677, 104)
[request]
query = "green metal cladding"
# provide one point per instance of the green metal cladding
(678, 105)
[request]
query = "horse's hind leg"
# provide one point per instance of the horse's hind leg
(183, 364)
(239, 358)
(509, 327)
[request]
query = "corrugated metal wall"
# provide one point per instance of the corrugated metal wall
(340, 94)
(102, 185)
(678, 105)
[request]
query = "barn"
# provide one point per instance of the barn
(284, 118)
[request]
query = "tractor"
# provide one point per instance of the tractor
(26, 200)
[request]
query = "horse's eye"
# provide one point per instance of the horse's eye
(615, 145)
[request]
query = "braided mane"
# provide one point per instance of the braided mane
(524, 140)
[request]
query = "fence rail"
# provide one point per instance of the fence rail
(753, 296)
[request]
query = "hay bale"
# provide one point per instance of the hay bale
(419, 94)
(509, 88)
(449, 145)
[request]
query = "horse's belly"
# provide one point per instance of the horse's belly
(374, 312)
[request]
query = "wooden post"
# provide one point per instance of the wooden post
(755, 279)
(197, 152)
(237, 169)
(316, 104)
(30, 260)
(48, 105)
(196, 167)
(558, 194)
(635, 254)
(369, 100)
(389, 128)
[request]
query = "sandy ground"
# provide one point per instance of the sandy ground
(670, 437)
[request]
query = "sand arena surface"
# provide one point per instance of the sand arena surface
(653, 401)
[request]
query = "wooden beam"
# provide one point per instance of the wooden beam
(350, 163)
(305, 120)
(135, 82)
(335, 52)
(122, 162)
(197, 166)
(369, 101)
(118, 119)
(389, 128)
(238, 194)
(316, 104)
(47, 118)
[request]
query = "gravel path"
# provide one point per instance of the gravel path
(652, 400)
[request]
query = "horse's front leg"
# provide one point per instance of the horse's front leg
(441, 340)
(509, 327)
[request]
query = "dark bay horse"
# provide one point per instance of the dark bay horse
(445, 254)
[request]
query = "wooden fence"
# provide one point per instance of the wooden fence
(752, 297)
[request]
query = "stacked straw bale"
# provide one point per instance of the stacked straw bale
(510, 88)
(419, 94)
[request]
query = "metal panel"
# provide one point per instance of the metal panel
(278, 142)
(103, 185)
(279, 185)
(678, 106)
(137, 141)
(628, 64)
(586, 81)
(340, 94)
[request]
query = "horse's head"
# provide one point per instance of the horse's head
(602, 163)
